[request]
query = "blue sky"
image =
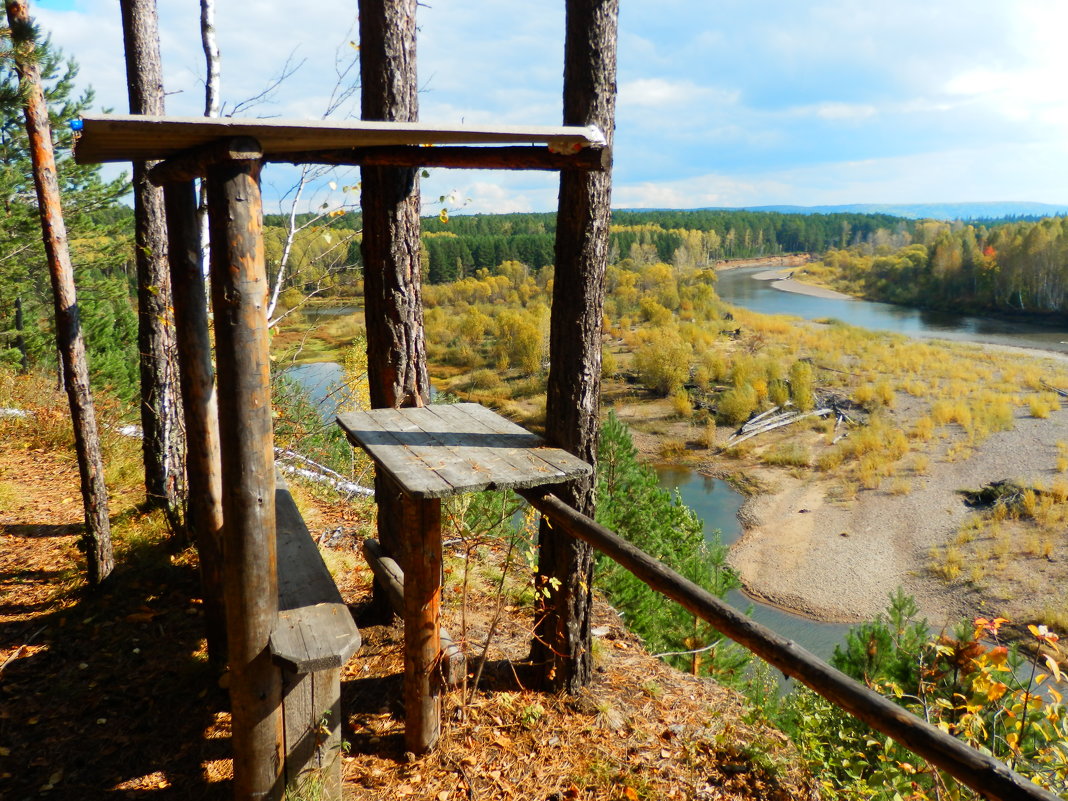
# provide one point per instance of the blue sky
(725, 103)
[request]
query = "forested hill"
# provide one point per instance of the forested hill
(988, 211)
(458, 245)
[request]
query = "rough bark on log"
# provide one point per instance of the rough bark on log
(396, 348)
(163, 444)
(561, 643)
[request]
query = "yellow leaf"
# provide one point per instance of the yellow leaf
(1054, 668)
(630, 793)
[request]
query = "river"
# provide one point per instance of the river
(714, 501)
(717, 504)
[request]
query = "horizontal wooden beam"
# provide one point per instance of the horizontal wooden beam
(128, 137)
(595, 158)
(990, 777)
(194, 162)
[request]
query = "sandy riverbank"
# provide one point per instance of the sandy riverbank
(781, 280)
(839, 561)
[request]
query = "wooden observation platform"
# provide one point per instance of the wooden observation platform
(285, 655)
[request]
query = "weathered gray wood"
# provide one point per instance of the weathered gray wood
(120, 137)
(435, 452)
(315, 630)
(390, 575)
(990, 777)
(311, 713)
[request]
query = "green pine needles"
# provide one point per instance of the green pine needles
(631, 502)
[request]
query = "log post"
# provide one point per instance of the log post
(204, 519)
(239, 301)
(421, 524)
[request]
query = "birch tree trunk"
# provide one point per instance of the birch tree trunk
(97, 539)
(212, 61)
(396, 348)
(565, 565)
(163, 444)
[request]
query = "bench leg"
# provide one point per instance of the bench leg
(311, 712)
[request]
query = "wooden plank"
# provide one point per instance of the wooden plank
(507, 464)
(437, 451)
(594, 158)
(311, 710)
(391, 454)
(124, 137)
(567, 463)
(315, 630)
(983, 773)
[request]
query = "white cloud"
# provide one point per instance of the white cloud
(662, 93)
(748, 103)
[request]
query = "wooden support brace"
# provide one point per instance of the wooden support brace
(195, 162)
(518, 157)
(390, 576)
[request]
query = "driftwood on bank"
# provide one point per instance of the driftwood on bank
(778, 422)
(390, 576)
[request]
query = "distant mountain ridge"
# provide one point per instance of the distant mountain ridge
(937, 211)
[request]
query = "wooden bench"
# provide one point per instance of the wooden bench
(313, 638)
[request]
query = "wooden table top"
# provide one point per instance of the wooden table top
(445, 449)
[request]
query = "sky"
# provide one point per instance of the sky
(721, 102)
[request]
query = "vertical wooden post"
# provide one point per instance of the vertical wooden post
(422, 623)
(204, 519)
(239, 300)
(565, 565)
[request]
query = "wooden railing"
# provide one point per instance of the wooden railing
(978, 771)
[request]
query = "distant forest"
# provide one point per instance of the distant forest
(466, 243)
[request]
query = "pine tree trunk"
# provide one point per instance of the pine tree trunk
(396, 347)
(97, 540)
(164, 448)
(565, 568)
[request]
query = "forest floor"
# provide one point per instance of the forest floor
(109, 694)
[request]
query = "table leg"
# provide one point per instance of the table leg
(422, 612)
